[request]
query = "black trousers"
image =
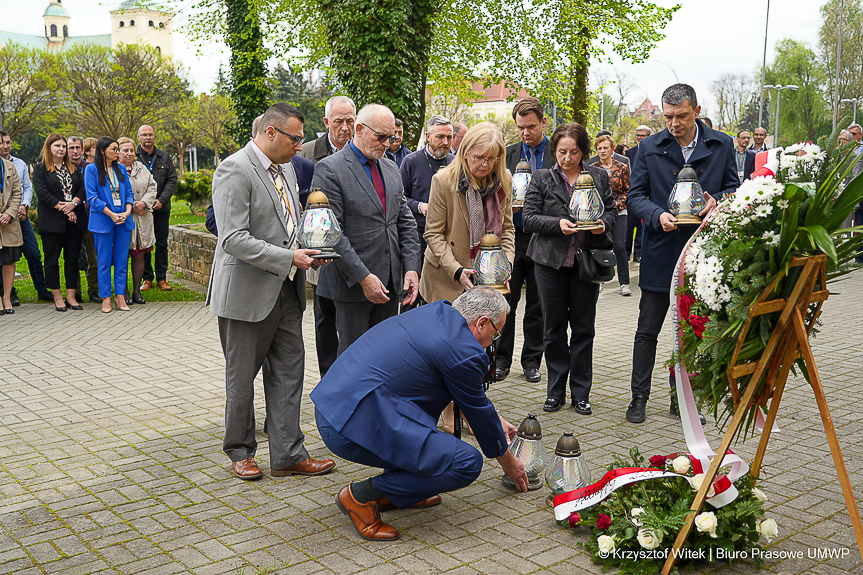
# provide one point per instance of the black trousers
(523, 274)
(652, 309)
(70, 244)
(566, 300)
(633, 223)
(161, 226)
(326, 335)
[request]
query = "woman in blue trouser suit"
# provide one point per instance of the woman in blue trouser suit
(111, 198)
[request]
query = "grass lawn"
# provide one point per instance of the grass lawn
(179, 215)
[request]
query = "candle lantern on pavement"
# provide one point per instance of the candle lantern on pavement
(529, 447)
(568, 468)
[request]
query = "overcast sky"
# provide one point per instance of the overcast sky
(705, 39)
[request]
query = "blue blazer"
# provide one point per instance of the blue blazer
(654, 173)
(388, 389)
(100, 196)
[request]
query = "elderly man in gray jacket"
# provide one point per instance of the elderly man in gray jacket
(258, 290)
(379, 247)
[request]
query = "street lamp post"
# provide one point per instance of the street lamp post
(854, 101)
(779, 88)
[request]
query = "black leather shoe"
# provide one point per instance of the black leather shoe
(139, 300)
(78, 307)
(582, 407)
(532, 374)
(94, 298)
(129, 301)
(551, 405)
(637, 409)
(47, 296)
(14, 299)
(56, 307)
(500, 373)
(9, 311)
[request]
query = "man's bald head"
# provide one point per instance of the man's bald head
(376, 124)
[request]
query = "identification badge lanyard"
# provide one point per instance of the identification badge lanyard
(2, 177)
(525, 157)
(114, 184)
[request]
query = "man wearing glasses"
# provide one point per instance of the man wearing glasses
(379, 247)
(379, 406)
(258, 291)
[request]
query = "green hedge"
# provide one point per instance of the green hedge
(195, 188)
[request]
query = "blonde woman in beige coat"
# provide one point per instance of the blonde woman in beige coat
(467, 198)
(11, 238)
(143, 236)
(475, 188)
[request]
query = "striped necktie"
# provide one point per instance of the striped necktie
(279, 182)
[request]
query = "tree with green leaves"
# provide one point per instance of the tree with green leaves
(851, 66)
(214, 118)
(803, 114)
(180, 127)
(250, 86)
(307, 96)
(113, 92)
(28, 88)
(389, 51)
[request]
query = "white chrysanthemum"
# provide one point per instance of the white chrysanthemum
(763, 211)
(793, 149)
(787, 161)
(782, 204)
(771, 237)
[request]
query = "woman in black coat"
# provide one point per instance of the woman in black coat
(59, 185)
(555, 247)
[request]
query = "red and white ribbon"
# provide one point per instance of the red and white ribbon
(567, 503)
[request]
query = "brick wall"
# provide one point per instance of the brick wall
(191, 252)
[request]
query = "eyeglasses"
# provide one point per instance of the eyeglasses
(496, 331)
(296, 140)
(483, 161)
(381, 138)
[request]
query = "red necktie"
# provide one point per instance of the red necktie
(378, 183)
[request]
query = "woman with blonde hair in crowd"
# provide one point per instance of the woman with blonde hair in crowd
(89, 149)
(618, 177)
(110, 196)
(470, 196)
(62, 219)
(143, 237)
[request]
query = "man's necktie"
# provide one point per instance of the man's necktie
(279, 183)
(378, 183)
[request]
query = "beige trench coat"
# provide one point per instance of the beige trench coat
(144, 188)
(448, 238)
(10, 200)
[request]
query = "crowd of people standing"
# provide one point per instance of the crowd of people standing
(98, 200)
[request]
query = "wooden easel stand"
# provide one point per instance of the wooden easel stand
(789, 340)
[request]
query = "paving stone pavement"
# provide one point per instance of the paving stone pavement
(111, 462)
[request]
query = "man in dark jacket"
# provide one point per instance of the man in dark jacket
(536, 149)
(397, 151)
(162, 168)
(660, 157)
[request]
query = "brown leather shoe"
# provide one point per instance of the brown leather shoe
(247, 469)
(308, 467)
(387, 505)
(366, 517)
(146, 285)
(164, 285)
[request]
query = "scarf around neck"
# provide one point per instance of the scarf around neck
(483, 209)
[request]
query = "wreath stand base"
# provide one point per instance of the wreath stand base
(788, 342)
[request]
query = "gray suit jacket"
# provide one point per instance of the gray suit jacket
(316, 150)
(253, 258)
(386, 245)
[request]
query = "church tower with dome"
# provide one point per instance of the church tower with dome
(132, 22)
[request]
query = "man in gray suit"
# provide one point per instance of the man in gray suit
(258, 290)
(340, 115)
(379, 248)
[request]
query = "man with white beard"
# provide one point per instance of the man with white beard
(417, 170)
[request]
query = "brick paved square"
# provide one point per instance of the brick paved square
(112, 462)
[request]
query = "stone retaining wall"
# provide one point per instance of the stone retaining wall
(191, 253)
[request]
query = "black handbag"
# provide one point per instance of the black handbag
(596, 265)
